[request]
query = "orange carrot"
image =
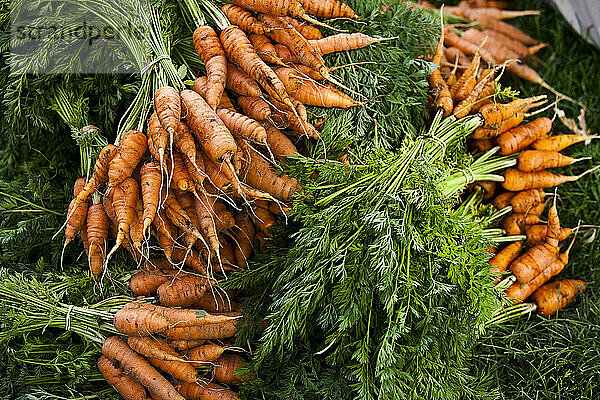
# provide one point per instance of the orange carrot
(263, 219)
(212, 134)
(453, 40)
(499, 118)
(127, 387)
(520, 292)
(166, 233)
(439, 89)
(305, 29)
(500, 262)
(293, 121)
(556, 295)
(244, 19)
(328, 9)
(211, 52)
(486, 96)
(211, 331)
(265, 49)
(152, 347)
(197, 172)
(305, 72)
(495, 13)
(452, 53)
(503, 200)
(279, 144)
(244, 234)
(515, 46)
(150, 183)
(559, 142)
(514, 223)
(206, 220)
(285, 34)
(537, 233)
(177, 170)
(135, 320)
(522, 202)
(99, 176)
(463, 108)
(539, 257)
(190, 258)
(200, 86)
(279, 8)
(536, 160)
(241, 52)
(125, 197)
(254, 107)
(168, 108)
(178, 368)
(182, 292)
(516, 180)
(241, 83)
(204, 354)
(344, 42)
(216, 175)
(184, 141)
(97, 235)
(482, 145)
(78, 216)
(522, 136)
(285, 55)
(257, 173)
(182, 345)
(242, 127)
(225, 367)
(208, 391)
(465, 84)
(311, 93)
(136, 367)
(136, 233)
(506, 29)
(145, 283)
(158, 139)
(178, 216)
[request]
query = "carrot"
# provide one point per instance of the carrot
(127, 387)
(257, 173)
(559, 142)
(130, 152)
(197, 171)
(208, 47)
(97, 235)
(514, 222)
(78, 216)
(501, 54)
(501, 4)
(265, 49)
(308, 31)
(179, 217)
(241, 52)
(452, 53)
(136, 367)
(263, 219)
(166, 233)
(177, 170)
(506, 29)
(212, 134)
(556, 295)
(522, 202)
(168, 108)
(495, 13)
(208, 391)
(328, 9)
(522, 136)
(204, 354)
(150, 184)
(125, 197)
(486, 96)
(482, 145)
(152, 347)
(503, 200)
(190, 258)
(216, 176)
(215, 303)
(344, 42)
(465, 84)
(225, 367)
(311, 93)
(99, 176)
(200, 86)
(241, 83)
(439, 89)
(158, 139)
(184, 142)
(244, 235)
(285, 55)
(537, 233)
(254, 107)
(182, 345)
(279, 8)
(499, 118)
(182, 292)
(537, 258)
(500, 262)
(136, 233)
(175, 366)
(515, 46)
(279, 144)
(242, 126)
(145, 283)
(453, 40)
(293, 121)
(244, 19)
(211, 331)
(516, 180)
(520, 292)
(536, 160)
(463, 108)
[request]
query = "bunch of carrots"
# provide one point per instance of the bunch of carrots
(534, 262)
(188, 197)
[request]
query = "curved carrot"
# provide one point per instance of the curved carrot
(125, 197)
(127, 387)
(500, 262)
(522, 136)
(265, 49)
(131, 149)
(244, 19)
(308, 31)
(557, 295)
(254, 107)
(208, 47)
(78, 216)
(241, 126)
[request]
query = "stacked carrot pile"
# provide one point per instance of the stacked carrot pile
(472, 91)
(188, 197)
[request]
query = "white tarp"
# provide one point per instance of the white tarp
(584, 17)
